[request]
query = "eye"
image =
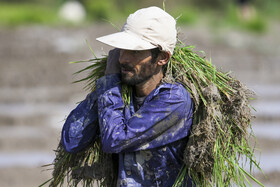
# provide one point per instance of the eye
(135, 52)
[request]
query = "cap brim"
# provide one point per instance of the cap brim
(123, 40)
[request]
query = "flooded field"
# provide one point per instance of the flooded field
(36, 93)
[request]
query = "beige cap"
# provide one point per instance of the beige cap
(147, 28)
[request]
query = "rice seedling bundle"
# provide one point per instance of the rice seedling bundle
(220, 136)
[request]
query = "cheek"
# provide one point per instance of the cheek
(143, 66)
(137, 69)
(147, 69)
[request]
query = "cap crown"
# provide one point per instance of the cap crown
(153, 25)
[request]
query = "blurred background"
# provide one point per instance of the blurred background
(38, 39)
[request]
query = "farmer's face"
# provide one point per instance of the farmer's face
(136, 66)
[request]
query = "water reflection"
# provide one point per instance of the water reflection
(25, 159)
(269, 131)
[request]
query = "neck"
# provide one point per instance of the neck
(145, 88)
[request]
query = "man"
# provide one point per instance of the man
(149, 135)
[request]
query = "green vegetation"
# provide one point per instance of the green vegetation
(26, 13)
(228, 13)
(186, 15)
(253, 21)
(100, 9)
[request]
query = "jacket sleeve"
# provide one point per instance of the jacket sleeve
(81, 126)
(165, 117)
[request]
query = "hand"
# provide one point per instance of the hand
(113, 64)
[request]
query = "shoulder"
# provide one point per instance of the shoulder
(172, 91)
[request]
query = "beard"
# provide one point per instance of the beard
(145, 73)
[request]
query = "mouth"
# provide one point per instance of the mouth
(126, 70)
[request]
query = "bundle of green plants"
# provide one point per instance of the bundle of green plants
(220, 138)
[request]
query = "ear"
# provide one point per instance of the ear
(163, 58)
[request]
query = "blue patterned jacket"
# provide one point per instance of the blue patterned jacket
(149, 142)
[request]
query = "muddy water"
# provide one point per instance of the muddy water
(36, 93)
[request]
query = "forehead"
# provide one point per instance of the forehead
(139, 52)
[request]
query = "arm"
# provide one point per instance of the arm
(80, 127)
(165, 117)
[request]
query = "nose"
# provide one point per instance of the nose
(124, 57)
